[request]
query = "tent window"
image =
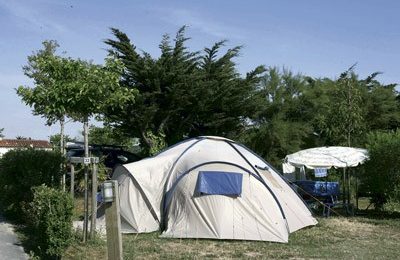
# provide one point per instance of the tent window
(219, 183)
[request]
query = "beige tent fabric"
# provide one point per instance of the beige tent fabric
(168, 181)
(252, 216)
(296, 212)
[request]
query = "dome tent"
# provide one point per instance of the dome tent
(209, 187)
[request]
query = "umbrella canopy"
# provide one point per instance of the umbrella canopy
(326, 157)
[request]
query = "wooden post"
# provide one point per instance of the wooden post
(94, 200)
(86, 207)
(63, 179)
(113, 226)
(72, 180)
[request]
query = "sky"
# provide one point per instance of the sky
(312, 37)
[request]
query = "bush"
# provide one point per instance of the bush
(382, 171)
(50, 218)
(20, 170)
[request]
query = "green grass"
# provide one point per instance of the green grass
(374, 237)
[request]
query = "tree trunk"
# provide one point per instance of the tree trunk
(62, 149)
(147, 142)
(85, 136)
(86, 202)
(349, 127)
(62, 136)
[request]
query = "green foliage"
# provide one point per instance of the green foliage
(381, 104)
(296, 112)
(20, 170)
(280, 125)
(55, 141)
(41, 98)
(346, 115)
(50, 218)
(108, 135)
(158, 142)
(1, 132)
(382, 171)
(73, 87)
(184, 93)
(181, 93)
(344, 110)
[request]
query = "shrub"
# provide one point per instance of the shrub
(50, 218)
(382, 171)
(20, 170)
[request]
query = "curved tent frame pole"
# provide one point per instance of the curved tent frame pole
(163, 203)
(278, 174)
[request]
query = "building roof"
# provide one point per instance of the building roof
(15, 143)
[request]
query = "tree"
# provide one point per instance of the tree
(382, 105)
(79, 89)
(296, 112)
(38, 98)
(280, 124)
(1, 132)
(344, 110)
(72, 87)
(224, 101)
(181, 93)
(19, 137)
(382, 175)
(346, 117)
(109, 136)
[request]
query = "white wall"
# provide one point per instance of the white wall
(3, 150)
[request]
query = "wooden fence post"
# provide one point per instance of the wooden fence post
(72, 190)
(113, 225)
(94, 200)
(86, 206)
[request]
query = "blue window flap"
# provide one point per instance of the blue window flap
(219, 183)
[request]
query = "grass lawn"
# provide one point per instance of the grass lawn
(373, 237)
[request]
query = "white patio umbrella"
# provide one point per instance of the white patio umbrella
(326, 157)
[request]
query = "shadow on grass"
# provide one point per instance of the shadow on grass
(378, 214)
(28, 240)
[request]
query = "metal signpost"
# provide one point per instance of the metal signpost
(93, 162)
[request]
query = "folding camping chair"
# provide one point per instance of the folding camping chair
(332, 199)
(325, 192)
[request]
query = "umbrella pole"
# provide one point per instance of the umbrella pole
(356, 175)
(344, 186)
(348, 187)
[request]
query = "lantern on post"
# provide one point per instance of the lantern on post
(107, 191)
(110, 194)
